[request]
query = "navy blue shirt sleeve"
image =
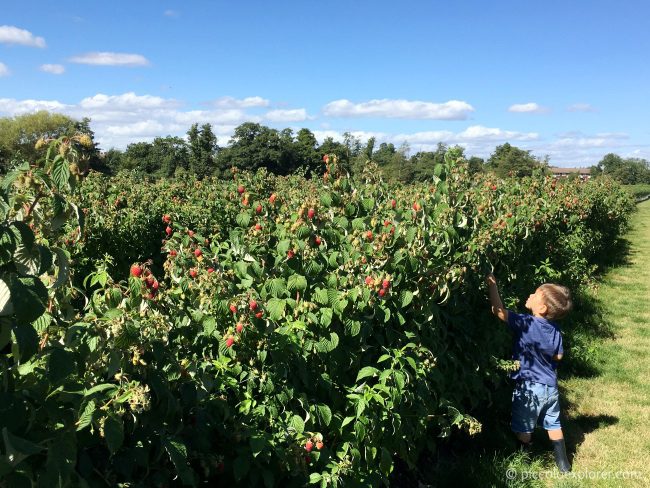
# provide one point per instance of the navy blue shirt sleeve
(515, 321)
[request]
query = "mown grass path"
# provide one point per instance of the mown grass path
(608, 416)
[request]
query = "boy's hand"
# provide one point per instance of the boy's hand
(490, 279)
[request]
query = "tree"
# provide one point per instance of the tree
(629, 171)
(202, 150)
(254, 146)
(306, 152)
(510, 160)
(475, 164)
(18, 136)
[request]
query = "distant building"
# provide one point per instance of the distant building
(582, 173)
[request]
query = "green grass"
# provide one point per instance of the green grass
(620, 392)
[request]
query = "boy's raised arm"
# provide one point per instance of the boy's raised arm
(495, 299)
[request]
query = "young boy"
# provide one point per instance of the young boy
(538, 348)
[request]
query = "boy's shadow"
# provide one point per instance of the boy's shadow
(576, 428)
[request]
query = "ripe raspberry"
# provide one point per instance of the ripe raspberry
(258, 209)
(193, 273)
(233, 308)
(272, 198)
(136, 270)
(393, 203)
(369, 280)
(197, 252)
(309, 445)
(241, 189)
(319, 445)
(166, 219)
(230, 341)
(252, 305)
(239, 327)
(310, 213)
(317, 241)
(385, 284)
(382, 292)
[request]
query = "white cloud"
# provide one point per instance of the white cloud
(248, 102)
(11, 107)
(170, 13)
(529, 108)
(4, 71)
(110, 59)
(581, 107)
(127, 101)
(401, 109)
(294, 115)
(55, 69)
(13, 35)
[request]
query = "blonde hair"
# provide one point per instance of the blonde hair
(557, 299)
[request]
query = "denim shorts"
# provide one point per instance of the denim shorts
(535, 404)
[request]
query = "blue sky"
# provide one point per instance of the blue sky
(567, 79)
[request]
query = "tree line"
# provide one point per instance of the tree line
(255, 146)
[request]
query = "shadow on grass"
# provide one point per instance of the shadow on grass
(576, 428)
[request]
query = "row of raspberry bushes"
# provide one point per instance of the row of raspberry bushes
(296, 331)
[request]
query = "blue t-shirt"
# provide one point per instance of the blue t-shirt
(536, 341)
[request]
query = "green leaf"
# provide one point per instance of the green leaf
(113, 432)
(406, 297)
(325, 345)
(359, 224)
(241, 466)
(297, 282)
(315, 478)
(60, 365)
(42, 323)
(326, 199)
(325, 414)
(386, 462)
(6, 307)
(277, 287)
(61, 173)
(18, 449)
(326, 315)
(297, 424)
(365, 372)
(283, 247)
(257, 443)
(26, 341)
(275, 307)
(243, 219)
(368, 204)
(29, 297)
(63, 264)
(45, 259)
(86, 417)
(352, 327)
(178, 454)
(98, 388)
(209, 325)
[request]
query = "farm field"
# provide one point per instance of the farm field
(268, 330)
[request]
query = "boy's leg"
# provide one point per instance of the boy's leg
(551, 422)
(525, 409)
(524, 437)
